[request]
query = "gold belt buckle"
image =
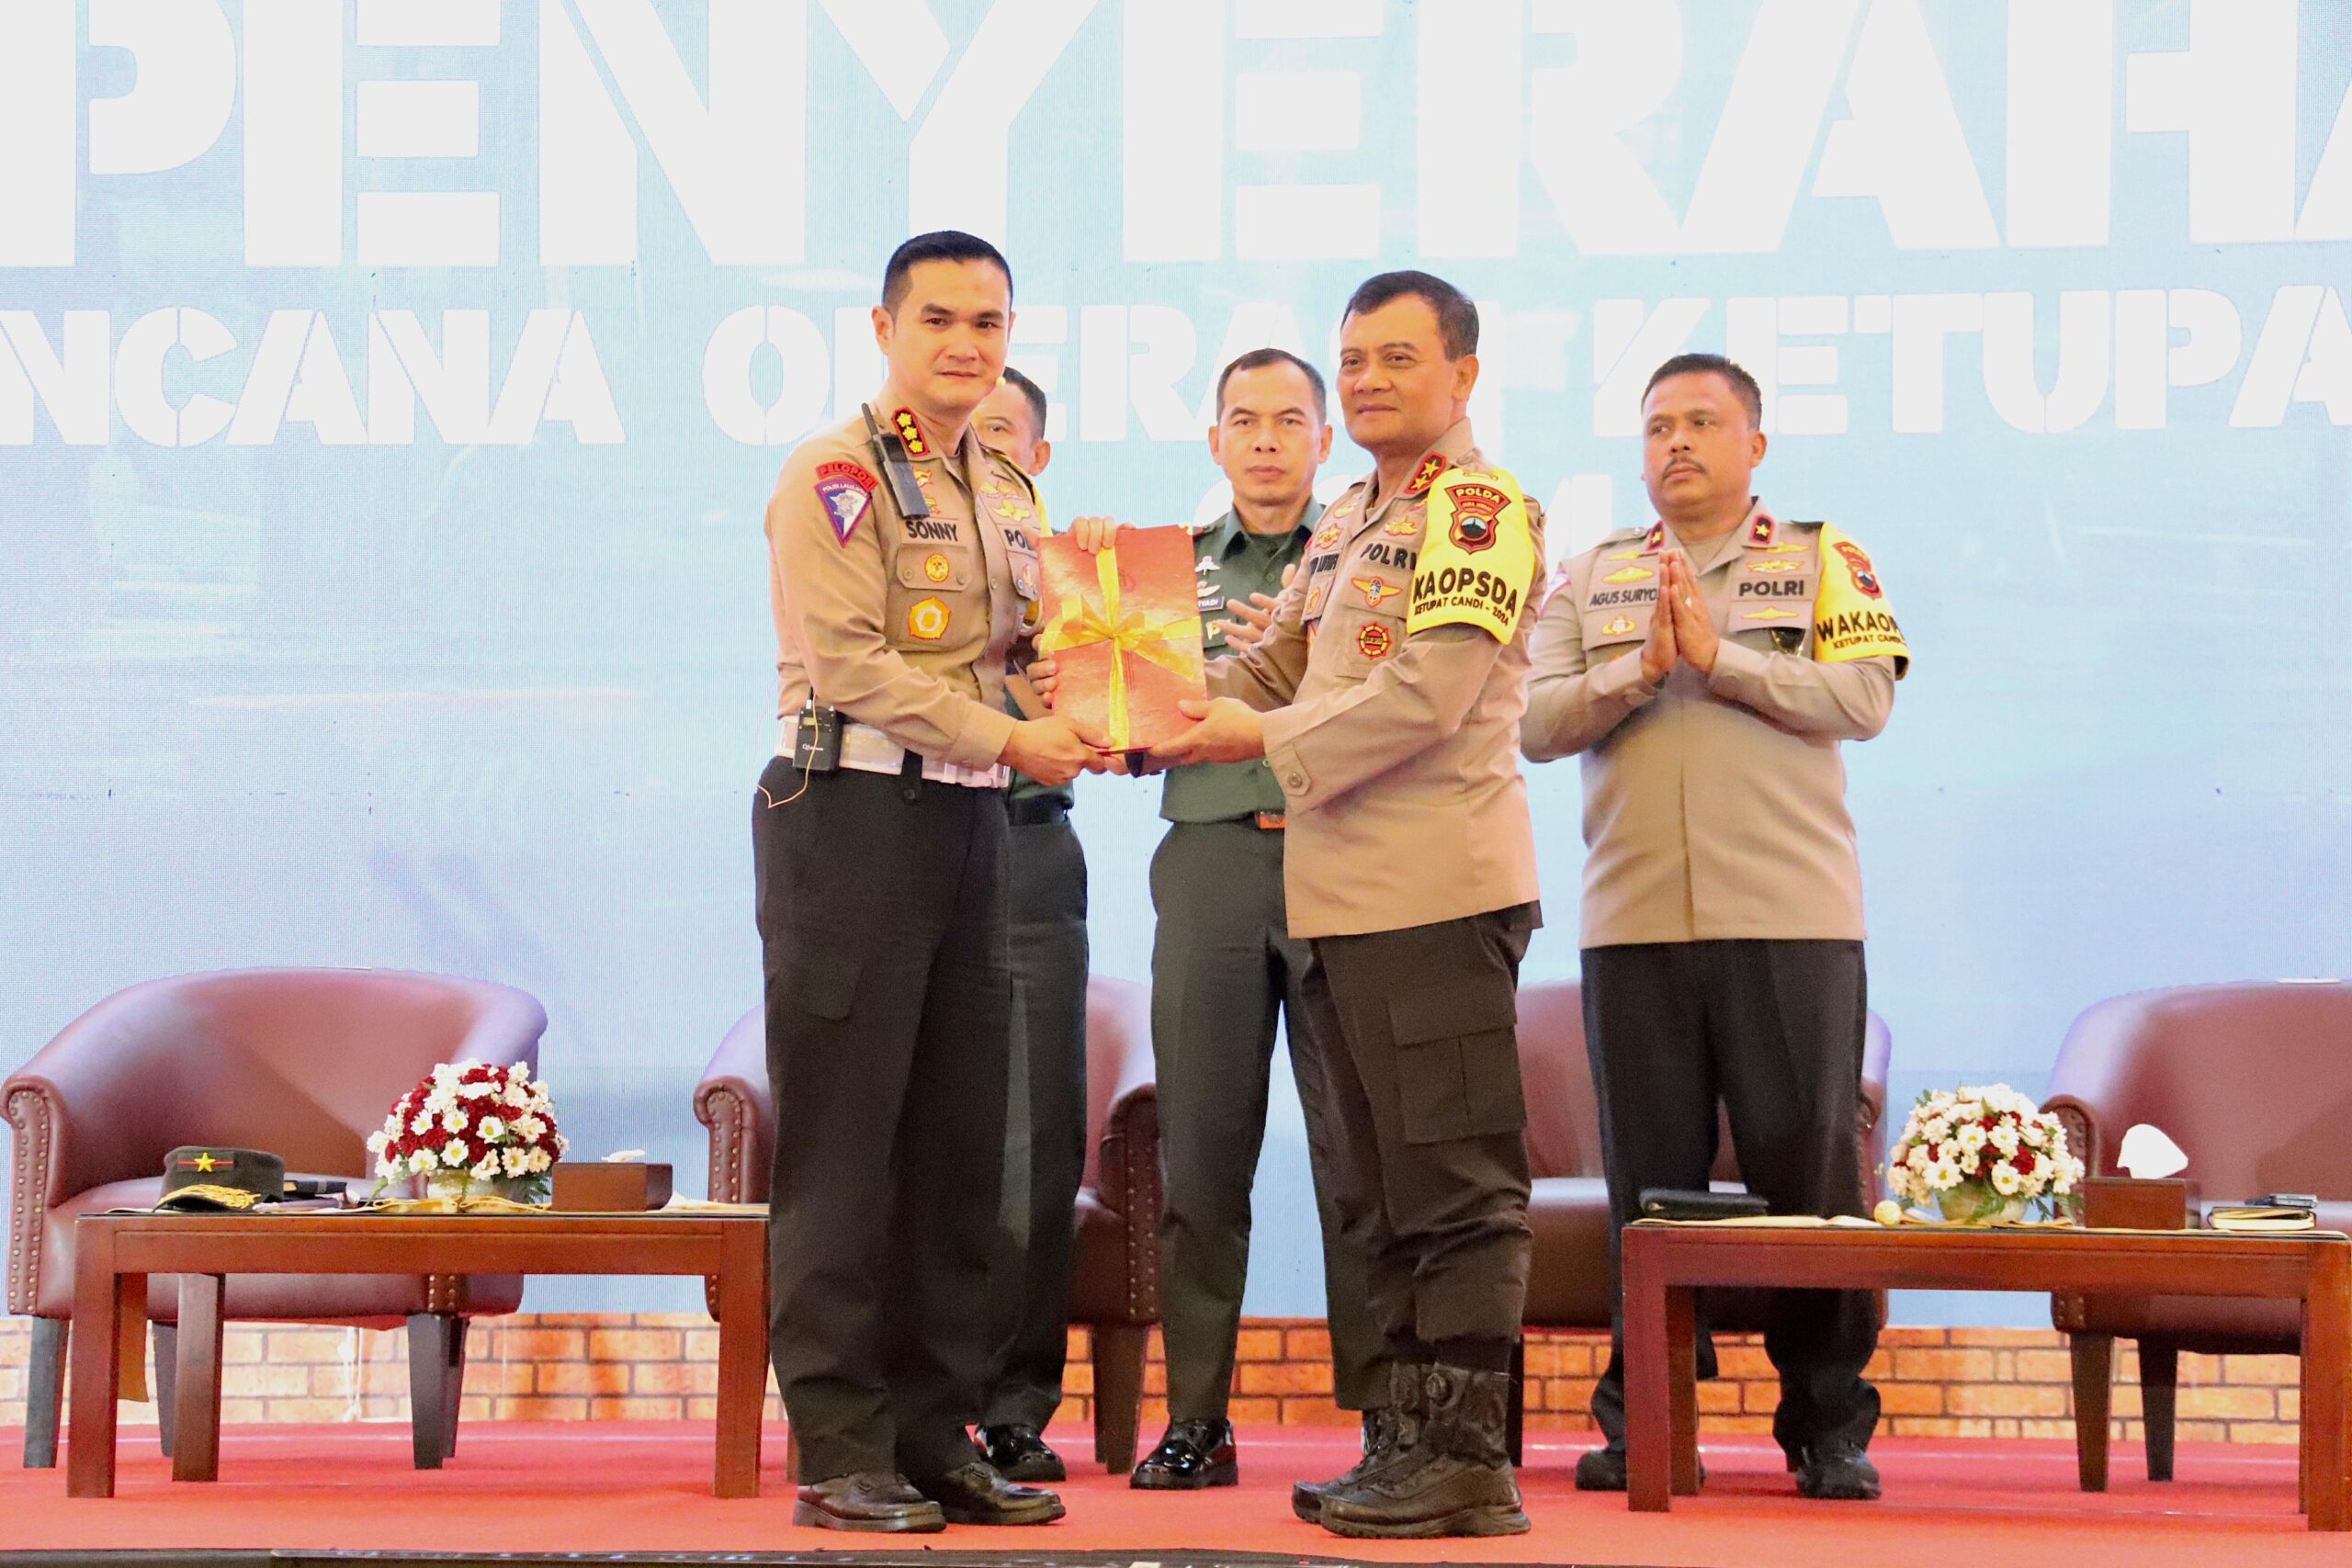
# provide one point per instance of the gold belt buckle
(1271, 821)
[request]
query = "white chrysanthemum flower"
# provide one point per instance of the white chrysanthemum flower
(1916, 1158)
(456, 1121)
(1944, 1175)
(2006, 1179)
(540, 1160)
(423, 1125)
(515, 1160)
(489, 1128)
(455, 1153)
(377, 1140)
(486, 1168)
(421, 1161)
(1970, 1137)
(476, 1089)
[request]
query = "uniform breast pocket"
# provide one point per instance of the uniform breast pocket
(926, 568)
(1457, 1061)
(1770, 628)
(1614, 630)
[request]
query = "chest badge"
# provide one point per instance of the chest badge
(1327, 537)
(1772, 566)
(1630, 574)
(1374, 640)
(1617, 627)
(1774, 614)
(1858, 566)
(935, 568)
(1406, 527)
(1315, 599)
(927, 620)
(1375, 591)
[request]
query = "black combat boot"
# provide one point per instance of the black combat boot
(1382, 1428)
(1451, 1477)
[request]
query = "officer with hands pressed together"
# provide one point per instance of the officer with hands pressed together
(903, 580)
(1705, 669)
(1385, 694)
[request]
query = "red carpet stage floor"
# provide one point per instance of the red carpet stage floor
(611, 1487)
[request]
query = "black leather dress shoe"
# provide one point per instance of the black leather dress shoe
(1192, 1455)
(975, 1494)
(868, 1500)
(1603, 1470)
(1020, 1453)
(1838, 1470)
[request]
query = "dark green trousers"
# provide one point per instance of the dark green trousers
(1223, 963)
(1424, 1075)
(1045, 1132)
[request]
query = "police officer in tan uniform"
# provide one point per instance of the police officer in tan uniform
(1387, 695)
(904, 576)
(1705, 669)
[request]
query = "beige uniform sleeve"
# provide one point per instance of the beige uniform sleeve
(1267, 675)
(834, 594)
(1420, 695)
(1840, 701)
(1572, 705)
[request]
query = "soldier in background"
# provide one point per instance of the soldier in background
(1722, 925)
(1224, 965)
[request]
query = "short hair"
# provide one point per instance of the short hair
(1457, 319)
(1259, 359)
(940, 244)
(1036, 397)
(1713, 365)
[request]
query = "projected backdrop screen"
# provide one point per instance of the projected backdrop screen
(389, 392)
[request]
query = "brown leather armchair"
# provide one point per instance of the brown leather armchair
(1568, 1284)
(301, 1062)
(1115, 1285)
(2251, 1080)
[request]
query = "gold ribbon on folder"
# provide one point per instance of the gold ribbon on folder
(1165, 642)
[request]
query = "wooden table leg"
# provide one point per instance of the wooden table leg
(2094, 1365)
(1683, 1386)
(2327, 1362)
(1649, 1420)
(196, 1414)
(742, 1357)
(103, 1301)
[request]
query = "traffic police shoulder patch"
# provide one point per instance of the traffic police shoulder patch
(1850, 617)
(1477, 559)
(845, 491)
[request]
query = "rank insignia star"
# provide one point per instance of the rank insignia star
(1426, 475)
(1375, 593)
(1655, 540)
(910, 431)
(206, 1163)
(1760, 530)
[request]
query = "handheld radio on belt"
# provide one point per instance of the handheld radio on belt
(817, 737)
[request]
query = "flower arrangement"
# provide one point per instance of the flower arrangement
(1981, 1155)
(468, 1122)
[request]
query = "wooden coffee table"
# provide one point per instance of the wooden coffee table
(1665, 1264)
(114, 1253)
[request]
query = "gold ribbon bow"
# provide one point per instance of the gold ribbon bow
(1160, 642)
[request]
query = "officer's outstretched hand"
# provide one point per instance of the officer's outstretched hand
(1694, 630)
(1248, 628)
(1045, 676)
(1229, 731)
(1052, 750)
(1659, 652)
(1094, 534)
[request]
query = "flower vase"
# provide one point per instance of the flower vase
(459, 1187)
(1975, 1203)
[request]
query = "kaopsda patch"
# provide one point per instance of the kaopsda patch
(1477, 556)
(1850, 616)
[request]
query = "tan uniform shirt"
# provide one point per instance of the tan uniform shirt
(1714, 805)
(1396, 753)
(905, 625)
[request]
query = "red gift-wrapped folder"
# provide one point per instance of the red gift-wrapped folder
(1124, 629)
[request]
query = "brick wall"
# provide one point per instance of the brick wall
(1963, 1383)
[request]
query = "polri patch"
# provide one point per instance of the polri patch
(1375, 591)
(846, 491)
(1374, 640)
(927, 620)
